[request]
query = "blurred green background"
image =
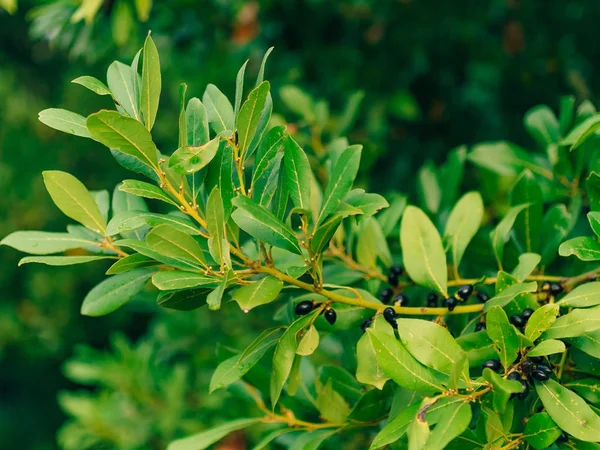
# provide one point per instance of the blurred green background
(431, 75)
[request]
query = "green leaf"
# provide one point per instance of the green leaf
(529, 224)
(208, 437)
(102, 200)
(151, 82)
(197, 123)
(130, 262)
(248, 119)
(583, 247)
(549, 347)
(569, 411)
(579, 130)
(503, 158)
(422, 250)
(146, 190)
(285, 353)
(142, 247)
(555, 227)
(179, 279)
(541, 123)
(261, 224)
(499, 235)
(478, 346)
(234, 368)
(187, 160)
(182, 122)
(428, 188)
(215, 221)
(502, 389)
(218, 109)
(269, 147)
(225, 179)
(309, 342)
(589, 388)
(74, 200)
(187, 300)
(527, 264)
(261, 71)
(541, 320)
(114, 292)
(124, 134)
(418, 434)
(507, 295)
(61, 260)
(592, 188)
(93, 84)
(132, 220)
(324, 233)
(44, 243)
(372, 244)
(574, 324)
(541, 431)
(298, 173)
(588, 342)
(390, 217)
(367, 370)
(582, 296)
(330, 404)
(215, 298)
(395, 428)
(173, 243)
(239, 88)
(298, 102)
(65, 121)
(594, 219)
(341, 180)
(454, 421)
(369, 204)
(258, 293)
(462, 224)
(503, 335)
(120, 83)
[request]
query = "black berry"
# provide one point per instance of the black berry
(401, 300)
(450, 303)
(366, 324)
(514, 376)
(543, 368)
(493, 364)
(522, 395)
(389, 314)
(432, 300)
(536, 359)
(482, 297)
(304, 307)
(480, 326)
(394, 324)
(527, 314)
(555, 288)
(397, 270)
(517, 320)
(564, 437)
(330, 316)
(526, 367)
(539, 375)
(464, 292)
(386, 295)
(393, 279)
(545, 286)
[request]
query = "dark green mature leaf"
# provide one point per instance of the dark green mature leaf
(298, 173)
(43, 242)
(215, 222)
(592, 188)
(135, 165)
(528, 224)
(367, 370)
(574, 324)
(124, 134)
(422, 250)
(499, 235)
(218, 109)
(206, 438)
(130, 262)
(395, 428)
(541, 320)
(74, 200)
(455, 419)
(114, 292)
(146, 190)
(502, 389)
(93, 84)
(186, 160)
(258, 293)
(132, 220)
(226, 178)
(555, 227)
(197, 123)
(269, 147)
(215, 298)
(65, 121)
(541, 431)
(462, 224)
(61, 260)
(324, 233)
(170, 280)
(151, 82)
(187, 300)
(570, 412)
(478, 347)
(503, 335)
(249, 116)
(589, 388)
(508, 294)
(549, 347)
(234, 368)
(142, 247)
(373, 405)
(582, 296)
(173, 243)
(588, 342)
(341, 180)
(594, 219)
(120, 82)
(260, 223)
(583, 247)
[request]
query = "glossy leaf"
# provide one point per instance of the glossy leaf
(455, 419)
(395, 428)
(541, 320)
(65, 121)
(502, 389)
(541, 431)
(215, 222)
(587, 294)
(549, 347)
(298, 173)
(248, 118)
(368, 371)
(43, 242)
(132, 220)
(330, 404)
(257, 293)
(218, 109)
(93, 84)
(528, 224)
(309, 343)
(462, 224)
(508, 294)
(215, 298)
(555, 227)
(173, 243)
(574, 324)
(179, 279)
(151, 82)
(187, 300)
(61, 260)
(146, 190)
(527, 264)
(120, 83)
(503, 335)
(588, 342)
(583, 247)
(208, 437)
(499, 235)
(186, 160)
(130, 262)
(197, 123)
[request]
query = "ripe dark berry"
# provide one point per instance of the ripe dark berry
(543, 368)
(539, 375)
(464, 292)
(394, 324)
(397, 270)
(514, 376)
(522, 395)
(536, 359)
(555, 288)
(386, 295)
(389, 314)
(480, 326)
(526, 367)
(432, 300)
(304, 307)
(493, 364)
(482, 297)
(527, 314)
(330, 316)
(401, 300)
(517, 320)
(450, 303)
(366, 324)
(564, 437)
(393, 279)
(545, 286)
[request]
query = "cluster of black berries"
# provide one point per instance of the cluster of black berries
(552, 289)
(520, 320)
(387, 294)
(306, 306)
(531, 368)
(389, 314)
(461, 294)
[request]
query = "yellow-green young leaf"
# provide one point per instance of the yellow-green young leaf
(74, 200)
(143, 8)
(196, 123)
(395, 428)
(298, 102)
(121, 84)
(570, 412)
(341, 180)
(527, 264)
(124, 134)
(508, 294)
(218, 109)
(234, 368)
(170, 280)
(216, 296)
(499, 235)
(142, 247)
(502, 389)
(330, 404)
(418, 433)
(308, 343)
(298, 173)
(187, 160)
(65, 121)
(260, 223)
(549, 347)
(503, 335)
(93, 84)
(582, 296)
(206, 438)
(131, 220)
(541, 320)
(503, 158)
(367, 370)
(146, 190)
(61, 260)
(258, 293)
(372, 244)
(284, 355)
(541, 431)
(422, 250)
(173, 243)
(575, 323)
(462, 224)
(215, 222)
(130, 262)
(151, 82)
(368, 204)
(114, 292)
(454, 420)
(390, 217)
(428, 188)
(528, 225)
(584, 247)
(43, 242)
(248, 118)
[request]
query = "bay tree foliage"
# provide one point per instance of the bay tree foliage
(442, 321)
